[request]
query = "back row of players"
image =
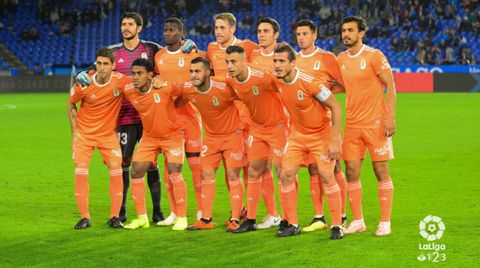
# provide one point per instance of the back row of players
(260, 106)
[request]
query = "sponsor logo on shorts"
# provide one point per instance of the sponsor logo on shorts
(176, 151)
(117, 153)
(383, 150)
(237, 155)
(195, 143)
(279, 152)
(325, 159)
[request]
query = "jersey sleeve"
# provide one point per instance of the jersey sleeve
(333, 69)
(175, 89)
(156, 59)
(380, 62)
(125, 84)
(249, 47)
(270, 82)
(76, 93)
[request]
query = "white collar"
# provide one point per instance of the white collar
(246, 80)
(309, 55)
(294, 79)
(174, 52)
(358, 53)
(101, 85)
(204, 92)
(233, 43)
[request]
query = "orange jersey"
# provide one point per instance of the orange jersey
(175, 67)
(320, 64)
(216, 106)
(157, 110)
(216, 54)
(259, 95)
(365, 101)
(100, 105)
(261, 61)
(308, 115)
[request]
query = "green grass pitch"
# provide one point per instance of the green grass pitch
(436, 171)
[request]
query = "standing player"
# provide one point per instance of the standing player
(268, 132)
(370, 120)
(223, 139)
(94, 127)
(156, 106)
(173, 66)
(322, 65)
(314, 132)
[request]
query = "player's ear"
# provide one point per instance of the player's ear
(150, 75)
(139, 28)
(276, 35)
(233, 29)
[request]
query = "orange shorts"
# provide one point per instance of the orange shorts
(108, 146)
(267, 143)
(357, 140)
(192, 133)
(300, 146)
(229, 147)
(149, 148)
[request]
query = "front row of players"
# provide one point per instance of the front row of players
(308, 101)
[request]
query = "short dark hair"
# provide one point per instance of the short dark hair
(177, 22)
(289, 50)
(271, 21)
(105, 52)
(361, 23)
(306, 22)
(143, 62)
(203, 60)
(133, 15)
(235, 49)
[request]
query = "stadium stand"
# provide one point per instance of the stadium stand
(46, 34)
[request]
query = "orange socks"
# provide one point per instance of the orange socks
(289, 193)
(81, 191)
(316, 190)
(169, 189)
(334, 201)
(138, 195)
(385, 195)
(354, 189)
(116, 191)
(195, 167)
(236, 198)
(179, 193)
(254, 191)
(268, 192)
(342, 183)
(208, 194)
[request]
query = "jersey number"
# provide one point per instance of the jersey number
(122, 137)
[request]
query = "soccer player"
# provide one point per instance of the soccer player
(320, 64)
(223, 139)
(268, 132)
(370, 120)
(93, 126)
(173, 66)
(313, 132)
(161, 133)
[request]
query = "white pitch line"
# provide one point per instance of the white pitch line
(8, 107)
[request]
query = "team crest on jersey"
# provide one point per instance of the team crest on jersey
(181, 62)
(255, 91)
(300, 95)
(215, 101)
(316, 65)
(156, 98)
(363, 64)
(116, 93)
(144, 55)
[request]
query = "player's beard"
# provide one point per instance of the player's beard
(130, 37)
(352, 44)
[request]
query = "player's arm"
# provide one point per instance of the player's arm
(387, 79)
(72, 111)
(326, 97)
(334, 70)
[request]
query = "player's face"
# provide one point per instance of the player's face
(140, 76)
(236, 63)
(265, 35)
(104, 67)
(130, 29)
(223, 31)
(198, 74)
(305, 37)
(350, 34)
(171, 34)
(282, 65)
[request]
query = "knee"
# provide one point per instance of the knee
(254, 172)
(288, 176)
(312, 169)
(208, 175)
(137, 172)
(338, 166)
(174, 168)
(233, 174)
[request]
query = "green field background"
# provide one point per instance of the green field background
(436, 171)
